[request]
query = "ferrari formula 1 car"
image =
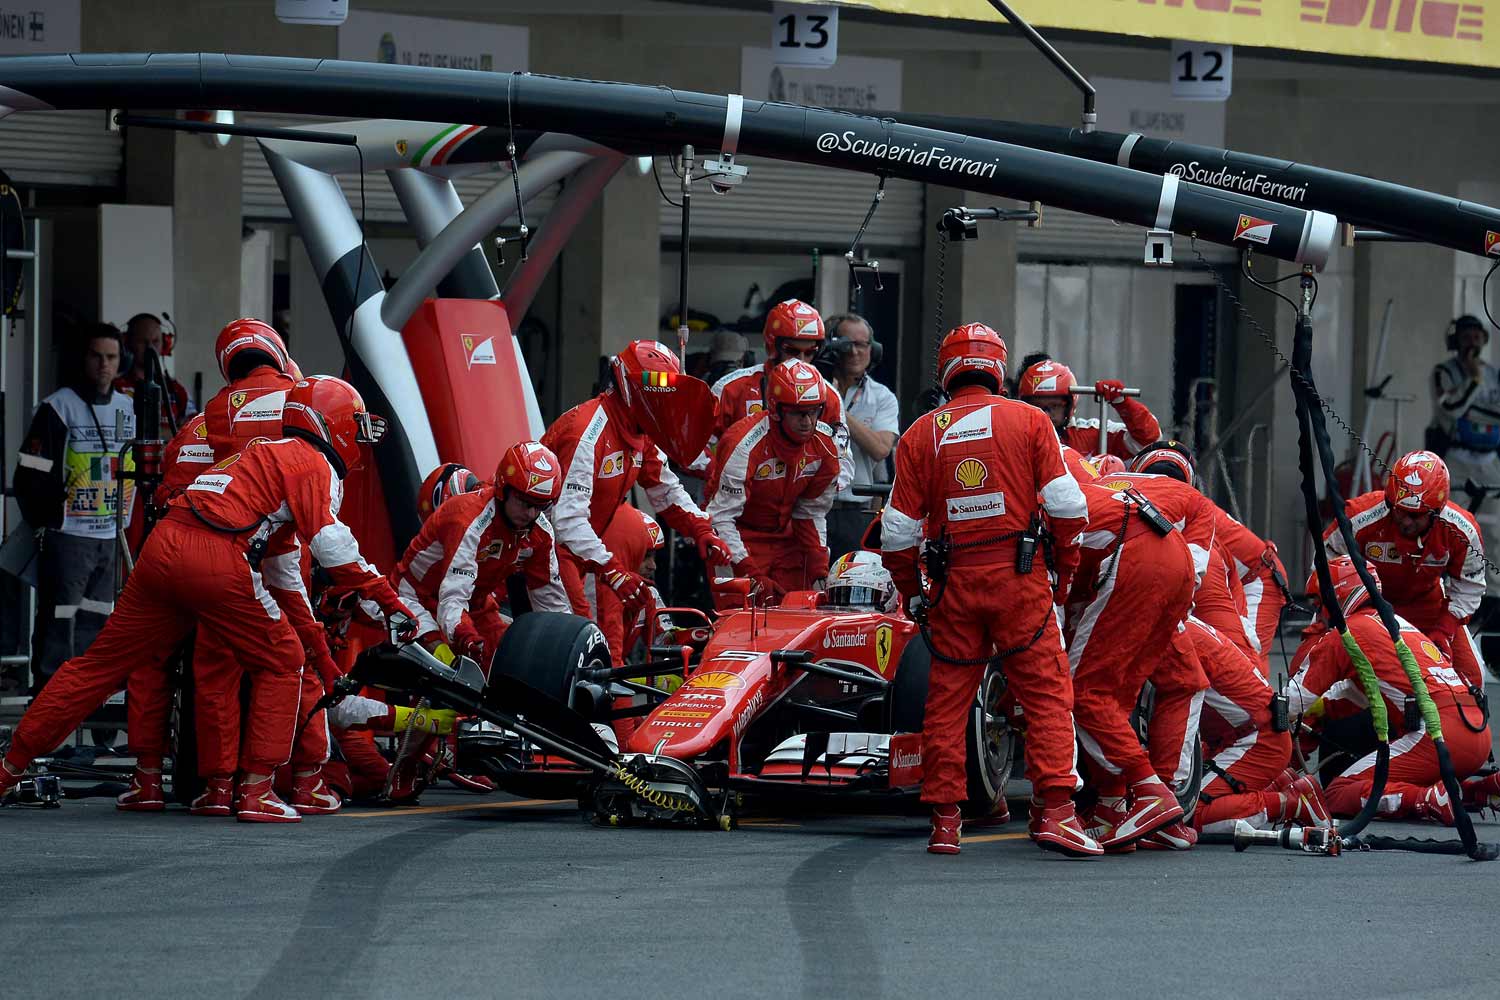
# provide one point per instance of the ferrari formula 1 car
(801, 699)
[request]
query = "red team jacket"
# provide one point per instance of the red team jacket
(1139, 429)
(760, 481)
(955, 474)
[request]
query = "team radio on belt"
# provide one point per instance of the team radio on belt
(1002, 551)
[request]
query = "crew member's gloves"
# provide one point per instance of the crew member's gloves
(468, 642)
(1063, 586)
(712, 549)
(770, 592)
(327, 669)
(1111, 390)
(1445, 632)
(630, 588)
(401, 625)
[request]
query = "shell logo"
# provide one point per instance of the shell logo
(1433, 653)
(1119, 485)
(971, 473)
(715, 680)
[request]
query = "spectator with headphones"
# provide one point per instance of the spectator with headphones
(874, 419)
(67, 484)
(1465, 428)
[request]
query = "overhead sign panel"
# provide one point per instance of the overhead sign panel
(374, 36)
(855, 83)
(1462, 32)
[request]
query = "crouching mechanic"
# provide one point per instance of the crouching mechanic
(773, 482)
(635, 538)
(451, 572)
(968, 478)
(201, 566)
(1429, 553)
(1048, 386)
(608, 443)
(1325, 684)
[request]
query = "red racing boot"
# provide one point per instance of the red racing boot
(144, 793)
(1480, 793)
(1302, 802)
(1172, 837)
(216, 799)
(947, 830)
(311, 795)
(1435, 806)
(1058, 829)
(259, 803)
(9, 778)
(1100, 822)
(1151, 807)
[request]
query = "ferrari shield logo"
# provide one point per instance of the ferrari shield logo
(943, 420)
(400, 147)
(236, 400)
(882, 647)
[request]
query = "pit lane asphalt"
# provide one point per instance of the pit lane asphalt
(489, 896)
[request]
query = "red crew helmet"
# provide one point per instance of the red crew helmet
(795, 384)
(245, 335)
(1165, 458)
(444, 483)
(675, 410)
(1418, 483)
(1046, 378)
(972, 347)
(1348, 589)
(791, 320)
(330, 413)
(653, 530)
(531, 470)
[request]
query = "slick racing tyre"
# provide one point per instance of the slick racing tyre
(1186, 790)
(990, 742)
(547, 651)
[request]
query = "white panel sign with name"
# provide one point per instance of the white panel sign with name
(40, 26)
(1202, 71)
(1150, 109)
(857, 83)
(804, 35)
(312, 11)
(373, 36)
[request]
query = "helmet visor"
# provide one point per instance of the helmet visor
(675, 411)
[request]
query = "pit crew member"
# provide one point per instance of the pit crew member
(1323, 672)
(1429, 553)
(1047, 384)
(773, 482)
(610, 441)
(969, 476)
(200, 566)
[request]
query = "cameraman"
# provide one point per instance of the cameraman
(873, 416)
(1466, 420)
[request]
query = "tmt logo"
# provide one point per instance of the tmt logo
(1433, 18)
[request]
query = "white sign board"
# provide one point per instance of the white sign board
(1151, 110)
(311, 12)
(130, 281)
(373, 36)
(1202, 71)
(36, 27)
(804, 35)
(857, 83)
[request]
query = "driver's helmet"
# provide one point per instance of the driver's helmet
(860, 580)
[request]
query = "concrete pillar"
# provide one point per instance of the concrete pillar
(206, 251)
(976, 283)
(611, 278)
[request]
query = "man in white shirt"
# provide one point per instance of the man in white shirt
(873, 417)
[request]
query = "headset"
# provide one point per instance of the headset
(1463, 323)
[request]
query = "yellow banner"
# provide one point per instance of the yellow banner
(1463, 32)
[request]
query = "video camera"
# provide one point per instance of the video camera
(830, 358)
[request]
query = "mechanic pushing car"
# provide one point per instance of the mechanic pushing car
(773, 482)
(201, 566)
(1048, 385)
(968, 478)
(651, 411)
(1429, 552)
(1324, 687)
(793, 331)
(635, 538)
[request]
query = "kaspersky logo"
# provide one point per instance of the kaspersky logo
(1254, 230)
(478, 351)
